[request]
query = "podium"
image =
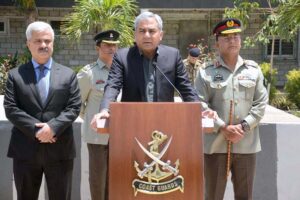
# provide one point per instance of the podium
(133, 127)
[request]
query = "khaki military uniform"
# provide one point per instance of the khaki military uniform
(192, 69)
(92, 79)
(217, 86)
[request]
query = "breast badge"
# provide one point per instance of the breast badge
(158, 176)
(218, 77)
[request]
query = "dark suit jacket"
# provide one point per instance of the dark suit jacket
(23, 109)
(127, 74)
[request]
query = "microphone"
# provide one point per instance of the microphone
(158, 68)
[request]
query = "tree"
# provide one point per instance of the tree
(29, 8)
(282, 21)
(101, 15)
(289, 17)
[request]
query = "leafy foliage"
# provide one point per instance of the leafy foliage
(281, 101)
(282, 21)
(206, 55)
(9, 62)
(270, 78)
(25, 4)
(292, 86)
(27, 8)
(289, 17)
(101, 14)
(6, 63)
(241, 10)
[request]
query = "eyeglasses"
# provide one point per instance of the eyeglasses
(229, 38)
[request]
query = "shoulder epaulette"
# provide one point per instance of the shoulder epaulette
(208, 64)
(90, 66)
(251, 63)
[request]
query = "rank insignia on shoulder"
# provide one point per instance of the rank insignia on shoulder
(100, 81)
(250, 63)
(218, 77)
(92, 65)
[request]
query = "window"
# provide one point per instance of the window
(3, 26)
(282, 48)
(56, 26)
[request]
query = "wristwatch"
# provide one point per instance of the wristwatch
(245, 126)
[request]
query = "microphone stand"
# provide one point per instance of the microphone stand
(157, 67)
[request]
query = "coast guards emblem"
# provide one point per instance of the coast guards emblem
(157, 176)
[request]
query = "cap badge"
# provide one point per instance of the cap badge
(230, 23)
(111, 35)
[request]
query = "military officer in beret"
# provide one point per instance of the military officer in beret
(231, 80)
(92, 79)
(192, 63)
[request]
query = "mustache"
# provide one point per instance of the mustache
(45, 49)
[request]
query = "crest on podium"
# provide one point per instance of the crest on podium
(157, 176)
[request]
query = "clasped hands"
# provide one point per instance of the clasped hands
(233, 133)
(45, 134)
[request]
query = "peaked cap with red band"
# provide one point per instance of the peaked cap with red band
(227, 26)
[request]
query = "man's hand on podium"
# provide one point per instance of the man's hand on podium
(104, 114)
(208, 118)
(209, 114)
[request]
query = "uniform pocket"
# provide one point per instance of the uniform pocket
(219, 90)
(247, 88)
(100, 87)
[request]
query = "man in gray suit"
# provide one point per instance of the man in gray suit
(92, 79)
(42, 100)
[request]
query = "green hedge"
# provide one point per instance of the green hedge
(270, 78)
(292, 86)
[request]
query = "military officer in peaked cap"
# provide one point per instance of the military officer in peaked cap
(92, 79)
(231, 80)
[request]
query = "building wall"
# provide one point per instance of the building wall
(181, 28)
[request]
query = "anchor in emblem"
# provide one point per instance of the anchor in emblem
(157, 169)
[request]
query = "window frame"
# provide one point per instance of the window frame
(5, 22)
(56, 20)
(280, 56)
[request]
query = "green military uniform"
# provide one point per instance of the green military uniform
(192, 69)
(92, 79)
(217, 85)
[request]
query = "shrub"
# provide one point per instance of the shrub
(9, 62)
(6, 63)
(292, 86)
(206, 55)
(270, 78)
(281, 102)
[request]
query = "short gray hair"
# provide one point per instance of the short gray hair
(38, 26)
(147, 15)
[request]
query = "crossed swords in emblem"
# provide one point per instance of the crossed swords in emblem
(156, 159)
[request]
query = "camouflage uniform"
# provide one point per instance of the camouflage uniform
(192, 69)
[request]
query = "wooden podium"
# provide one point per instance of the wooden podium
(182, 122)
